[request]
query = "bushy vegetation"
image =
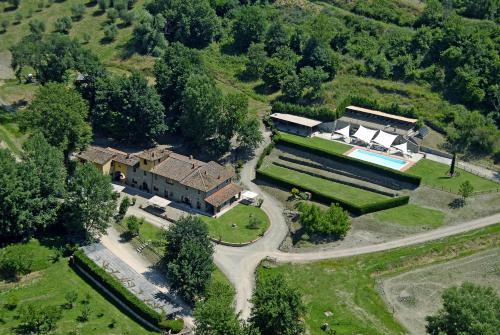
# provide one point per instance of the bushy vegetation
(334, 221)
(188, 257)
(468, 309)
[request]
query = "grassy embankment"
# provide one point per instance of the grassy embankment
(324, 186)
(47, 286)
(435, 175)
(221, 228)
(348, 286)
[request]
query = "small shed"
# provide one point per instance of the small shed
(295, 124)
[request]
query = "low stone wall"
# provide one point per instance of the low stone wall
(436, 152)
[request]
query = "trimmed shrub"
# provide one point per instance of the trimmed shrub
(328, 199)
(321, 113)
(395, 174)
(266, 152)
(175, 326)
(115, 287)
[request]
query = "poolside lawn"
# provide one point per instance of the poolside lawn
(317, 142)
(222, 227)
(48, 287)
(411, 216)
(340, 191)
(348, 286)
(435, 174)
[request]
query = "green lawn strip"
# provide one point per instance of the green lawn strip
(221, 227)
(48, 287)
(316, 142)
(348, 286)
(435, 174)
(411, 216)
(327, 187)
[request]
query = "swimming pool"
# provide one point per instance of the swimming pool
(372, 157)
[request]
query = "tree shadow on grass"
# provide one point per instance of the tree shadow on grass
(265, 89)
(457, 203)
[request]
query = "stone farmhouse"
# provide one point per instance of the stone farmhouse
(208, 187)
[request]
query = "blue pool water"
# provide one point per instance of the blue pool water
(375, 158)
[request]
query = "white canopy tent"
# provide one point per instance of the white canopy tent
(158, 202)
(385, 139)
(249, 195)
(403, 147)
(344, 131)
(364, 134)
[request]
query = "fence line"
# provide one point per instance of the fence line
(448, 190)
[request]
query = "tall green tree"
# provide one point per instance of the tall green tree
(188, 257)
(60, 114)
(215, 314)
(467, 310)
(202, 102)
(277, 308)
(172, 71)
(128, 109)
(257, 58)
(276, 37)
(249, 25)
(32, 190)
(90, 203)
(191, 22)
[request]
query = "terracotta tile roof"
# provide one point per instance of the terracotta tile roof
(177, 167)
(123, 157)
(227, 192)
(208, 177)
(96, 155)
(154, 153)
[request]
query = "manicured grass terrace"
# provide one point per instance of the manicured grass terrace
(411, 216)
(222, 227)
(317, 142)
(48, 287)
(436, 175)
(348, 286)
(340, 191)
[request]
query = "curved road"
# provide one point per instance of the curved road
(239, 264)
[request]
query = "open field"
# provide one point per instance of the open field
(333, 189)
(348, 287)
(222, 227)
(415, 294)
(435, 175)
(411, 216)
(49, 284)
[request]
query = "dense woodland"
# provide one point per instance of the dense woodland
(452, 46)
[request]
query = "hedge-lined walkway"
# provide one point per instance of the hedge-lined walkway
(317, 142)
(132, 280)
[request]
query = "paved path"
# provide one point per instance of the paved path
(477, 170)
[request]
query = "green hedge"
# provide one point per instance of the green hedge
(398, 175)
(115, 287)
(268, 149)
(320, 113)
(176, 326)
(393, 108)
(328, 199)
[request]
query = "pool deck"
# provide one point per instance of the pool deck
(410, 161)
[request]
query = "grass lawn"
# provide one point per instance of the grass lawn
(327, 187)
(316, 142)
(9, 131)
(221, 227)
(348, 286)
(49, 284)
(411, 216)
(435, 174)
